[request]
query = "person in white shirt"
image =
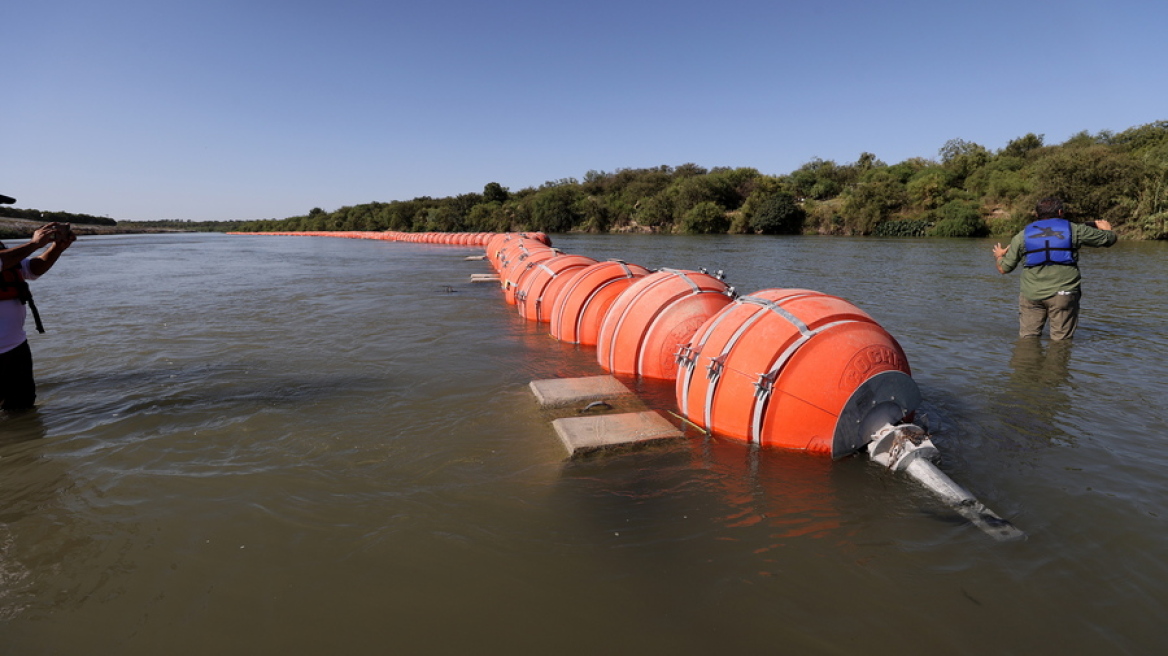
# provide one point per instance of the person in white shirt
(18, 265)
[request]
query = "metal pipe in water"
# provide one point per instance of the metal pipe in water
(907, 448)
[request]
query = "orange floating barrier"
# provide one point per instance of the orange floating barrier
(556, 288)
(579, 309)
(532, 297)
(654, 317)
(540, 237)
(494, 247)
(519, 266)
(795, 369)
(499, 244)
(516, 248)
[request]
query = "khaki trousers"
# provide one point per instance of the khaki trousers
(1062, 310)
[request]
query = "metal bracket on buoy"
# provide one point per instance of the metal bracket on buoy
(765, 384)
(714, 369)
(907, 448)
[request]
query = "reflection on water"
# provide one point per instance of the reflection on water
(297, 445)
(1036, 393)
(20, 427)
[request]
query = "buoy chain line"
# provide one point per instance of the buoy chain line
(810, 371)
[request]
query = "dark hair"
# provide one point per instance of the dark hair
(1049, 208)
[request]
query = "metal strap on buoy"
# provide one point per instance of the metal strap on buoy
(766, 382)
(645, 324)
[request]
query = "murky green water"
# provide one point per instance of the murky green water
(284, 445)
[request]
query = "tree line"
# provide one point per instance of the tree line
(59, 217)
(968, 190)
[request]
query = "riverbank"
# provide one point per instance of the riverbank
(20, 228)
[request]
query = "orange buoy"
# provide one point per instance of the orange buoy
(796, 369)
(532, 297)
(556, 288)
(516, 248)
(540, 237)
(494, 248)
(499, 246)
(519, 265)
(579, 310)
(654, 317)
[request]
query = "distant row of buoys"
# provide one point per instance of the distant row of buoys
(450, 238)
(789, 368)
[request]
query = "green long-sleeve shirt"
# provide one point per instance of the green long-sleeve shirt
(1042, 282)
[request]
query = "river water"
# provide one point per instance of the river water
(295, 445)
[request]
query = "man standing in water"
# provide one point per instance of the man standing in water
(1048, 249)
(17, 266)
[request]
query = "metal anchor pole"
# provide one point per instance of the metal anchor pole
(907, 448)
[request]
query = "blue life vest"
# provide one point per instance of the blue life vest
(1048, 241)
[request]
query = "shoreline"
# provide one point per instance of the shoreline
(11, 228)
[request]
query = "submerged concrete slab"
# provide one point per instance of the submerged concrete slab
(562, 392)
(584, 434)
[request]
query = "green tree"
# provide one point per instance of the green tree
(819, 179)
(1023, 146)
(444, 218)
(740, 183)
(1004, 180)
(873, 201)
(494, 192)
(779, 214)
(656, 210)
(928, 189)
(962, 158)
(866, 162)
(595, 214)
(688, 170)
(487, 217)
(554, 209)
(959, 219)
(1095, 181)
(633, 186)
(705, 218)
(690, 191)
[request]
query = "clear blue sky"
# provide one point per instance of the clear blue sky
(225, 109)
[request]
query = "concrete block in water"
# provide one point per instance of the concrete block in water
(562, 392)
(584, 434)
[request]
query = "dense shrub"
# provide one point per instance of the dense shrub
(903, 228)
(704, 218)
(779, 214)
(1155, 226)
(555, 208)
(872, 201)
(959, 219)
